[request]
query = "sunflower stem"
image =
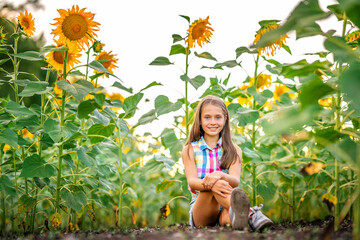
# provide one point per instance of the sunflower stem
(120, 176)
(186, 92)
(62, 121)
(87, 63)
(253, 137)
(3, 214)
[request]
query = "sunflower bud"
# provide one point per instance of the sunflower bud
(56, 220)
(98, 46)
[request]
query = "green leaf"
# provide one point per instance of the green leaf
(120, 86)
(85, 158)
(352, 9)
(34, 166)
(229, 64)
(350, 85)
(197, 81)
(341, 51)
(169, 163)
(161, 61)
(146, 118)
(186, 17)
(9, 137)
(7, 186)
(177, 38)
(52, 48)
(240, 50)
(260, 97)
(154, 83)
(34, 88)
(17, 109)
(102, 130)
(313, 90)
(75, 200)
(29, 55)
(54, 130)
(205, 55)
(85, 108)
(164, 185)
(2, 61)
(246, 116)
(130, 104)
(96, 65)
(78, 89)
(177, 49)
(164, 106)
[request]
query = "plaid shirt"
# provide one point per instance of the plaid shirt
(207, 160)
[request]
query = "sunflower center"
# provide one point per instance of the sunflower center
(75, 27)
(25, 23)
(58, 57)
(198, 30)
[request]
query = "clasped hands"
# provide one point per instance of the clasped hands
(214, 182)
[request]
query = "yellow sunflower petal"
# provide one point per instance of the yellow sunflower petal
(199, 32)
(27, 23)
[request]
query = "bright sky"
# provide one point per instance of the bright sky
(138, 31)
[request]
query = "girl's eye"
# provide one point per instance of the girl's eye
(207, 117)
(218, 117)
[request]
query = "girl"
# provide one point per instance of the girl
(212, 166)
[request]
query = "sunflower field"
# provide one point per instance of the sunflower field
(71, 158)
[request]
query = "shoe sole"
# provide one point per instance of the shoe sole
(240, 205)
(263, 225)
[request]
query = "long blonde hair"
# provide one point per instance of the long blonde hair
(229, 155)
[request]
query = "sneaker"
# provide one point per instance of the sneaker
(257, 220)
(240, 206)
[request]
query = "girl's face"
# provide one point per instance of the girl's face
(212, 119)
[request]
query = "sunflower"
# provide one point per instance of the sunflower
(199, 32)
(353, 38)
(279, 90)
(114, 96)
(55, 58)
(26, 133)
(263, 80)
(271, 48)
(2, 35)
(110, 61)
(75, 26)
(6, 147)
(326, 102)
(27, 23)
(244, 100)
(98, 46)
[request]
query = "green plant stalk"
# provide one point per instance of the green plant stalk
(62, 120)
(186, 92)
(292, 216)
(356, 209)
(120, 175)
(16, 70)
(87, 63)
(16, 190)
(253, 137)
(26, 190)
(337, 208)
(3, 214)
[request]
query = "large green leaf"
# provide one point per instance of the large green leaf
(17, 109)
(169, 163)
(35, 88)
(96, 65)
(101, 130)
(85, 108)
(246, 116)
(75, 200)
(78, 89)
(34, 166)
(160, 61)
(352, 9)
(85, 158)
(130, 104)
(26, 203)
(260, 97)
(164, 106)
(9, 137)
(120, 86)
(240, 50)
(152, 84)
(146, 118)
(205, 55)
(29, 55)
(7, 186)
(341, 51)
(197, 81)
(177, 48)
(313, 90)
(53, 128)
(165, 184)
(350, 85)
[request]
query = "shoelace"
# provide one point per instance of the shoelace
(257, 208)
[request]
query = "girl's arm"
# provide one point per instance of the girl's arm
(190, 169)
(233, 177)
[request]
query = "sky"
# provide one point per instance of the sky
(138, 31)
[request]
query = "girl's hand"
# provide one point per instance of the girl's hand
(222, 188)
(210, 179)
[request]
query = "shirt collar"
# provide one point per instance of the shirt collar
(203, 144)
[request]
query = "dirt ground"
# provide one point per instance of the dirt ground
(319, 229)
